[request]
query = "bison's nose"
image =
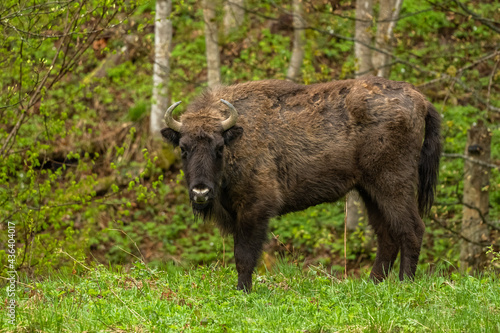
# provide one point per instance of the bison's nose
(200, 195)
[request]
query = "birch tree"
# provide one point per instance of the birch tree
(163, 43)
(212, 43)
(363, 36)
(234, 13)
(293, 72)
(364, 17)
(371, 62)
(374, 61)
(384, 39)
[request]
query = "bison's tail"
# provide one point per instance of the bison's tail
(428, 168)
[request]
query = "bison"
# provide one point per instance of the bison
(256, 150)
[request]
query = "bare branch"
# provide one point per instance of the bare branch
(31, 9)
(67, 62)
(473, 160)
(36, 95)
(437, 75)
(73, 32)
(495, 225)
(491, 80)
(481, 215)
(460, 70)
(445, 226)
(353, 18)
(486, 22)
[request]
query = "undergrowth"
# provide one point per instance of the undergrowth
(81, 177)
(287, 298)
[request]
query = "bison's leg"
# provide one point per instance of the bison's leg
(394, 216)
(387, 251)
(248, 242)
(411, 242)
(406, 228)
(387, 246)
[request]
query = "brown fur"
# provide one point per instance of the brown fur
(296, 146)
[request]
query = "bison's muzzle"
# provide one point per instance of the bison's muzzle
(200, 197)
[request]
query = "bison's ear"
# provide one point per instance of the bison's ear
(171, 136)
(232, 134)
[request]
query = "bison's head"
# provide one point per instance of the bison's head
(202, 140)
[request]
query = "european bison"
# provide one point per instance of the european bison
(260, 149)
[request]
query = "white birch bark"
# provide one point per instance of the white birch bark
(364, 18)
(384, 39)
(163, 42)
(293, 72)
(212, 43)
(355, 210)
(371, 63)
(234, 14)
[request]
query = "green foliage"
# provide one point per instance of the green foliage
(49, 170)
(495, 255)
(318, 232)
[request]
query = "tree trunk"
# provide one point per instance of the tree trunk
(234, 14)
(212, 43)
(293, 72)
(384, 39)
(369, 63)
(355, 210)
(476, 199)
(364, 16)
(163, 42)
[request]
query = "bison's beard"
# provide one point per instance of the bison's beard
(214, 212)
(202, 211)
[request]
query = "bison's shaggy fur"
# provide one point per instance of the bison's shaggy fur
(295, 146)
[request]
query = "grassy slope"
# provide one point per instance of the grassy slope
(287, 300)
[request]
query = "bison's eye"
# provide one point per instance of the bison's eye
(184, 152)
(219, 150)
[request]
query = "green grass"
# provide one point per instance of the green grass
(287, 300)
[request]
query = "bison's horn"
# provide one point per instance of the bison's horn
(170, 121)
(231, 121)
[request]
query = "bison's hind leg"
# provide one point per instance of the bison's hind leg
(394, 216)
(387, 246)
(411, 242)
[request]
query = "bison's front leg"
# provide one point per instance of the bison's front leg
(248, 242)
